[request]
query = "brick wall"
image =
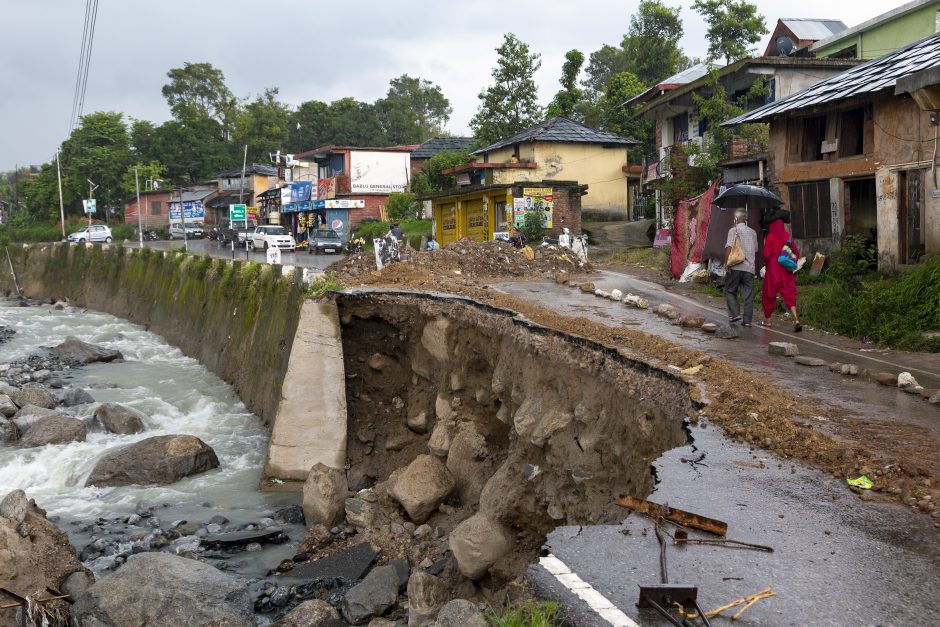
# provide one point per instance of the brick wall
(566, 210)
(373, 203)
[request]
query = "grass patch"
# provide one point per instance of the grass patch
(325, 284)
(640, 257)
(528, 614)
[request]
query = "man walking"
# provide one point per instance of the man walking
(740, 253)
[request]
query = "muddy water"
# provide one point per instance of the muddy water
(178, 396)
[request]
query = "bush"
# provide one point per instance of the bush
(123, 231)
(401, 207)
(371, 230)
(532, 227)
(529, 614)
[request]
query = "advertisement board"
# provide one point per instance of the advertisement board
(379, 172)
(340, 203)
(338, 220)
(326, 188)
(90, 206)
(191, 210)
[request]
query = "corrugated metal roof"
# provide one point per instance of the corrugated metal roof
(867, 78)
(687, 75)
(253, 168)
(560, 129)
(441, 144)
(811, 29)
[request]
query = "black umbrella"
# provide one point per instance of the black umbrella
(747, 197)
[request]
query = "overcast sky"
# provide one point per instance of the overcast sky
(353, 49)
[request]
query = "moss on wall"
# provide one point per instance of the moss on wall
(237, 318)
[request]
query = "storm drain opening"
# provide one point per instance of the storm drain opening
(473, 433)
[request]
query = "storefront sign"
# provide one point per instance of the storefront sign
(339, 203)
(299, 192)
(191, 210)
(379, 172)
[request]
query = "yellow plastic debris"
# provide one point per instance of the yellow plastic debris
(528, 253)
(862, 482)
(692, 370)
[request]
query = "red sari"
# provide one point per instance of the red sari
(776, 279)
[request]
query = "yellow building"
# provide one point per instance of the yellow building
(558, 149)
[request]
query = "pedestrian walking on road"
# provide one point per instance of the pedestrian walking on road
(779, 279)
(740, 255)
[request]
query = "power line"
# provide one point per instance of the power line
(91, 41)
(84, 62)
(81, 64)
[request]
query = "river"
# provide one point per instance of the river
(177, 395)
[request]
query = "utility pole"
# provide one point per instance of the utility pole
(58, 171)
(140, 210)
(241, 187)
(16, 186)
(183, 221)
(91, 194)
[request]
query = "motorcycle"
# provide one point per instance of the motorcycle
(214, 233)
(151, 236)
(355, 246)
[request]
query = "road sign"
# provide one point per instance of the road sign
(89, 205)
(236, 212)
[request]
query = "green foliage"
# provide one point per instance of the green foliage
(152, 170)
(893, 311)
(372, 230)
(624, 121)
(324, 284)
(510, 104)
(651, 45)
(413, 111)
(567, 99)
(401, 206)
(733, 27)
(343, 122)
(430, 179)
(198, 90)
(528, 614)
(262, 125)
(99, 150)
(532, 227)
(414, 230)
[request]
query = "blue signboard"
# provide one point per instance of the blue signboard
(192, 210)
(290, 207)
(300, 192)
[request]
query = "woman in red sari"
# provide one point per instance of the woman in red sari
(777, 280)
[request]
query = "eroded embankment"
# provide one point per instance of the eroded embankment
(533, 428)
(238, 319)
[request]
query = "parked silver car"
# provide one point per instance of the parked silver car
(92, 233)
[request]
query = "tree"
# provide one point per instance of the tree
(429, 179)
(603, 64)
(262, 125)
(97, 150)
(624, 121)
(199, 90)
(191, 151)
(510, 104)
(733, 27)
(651, 44)
(567, 99)
(145, 171)
(413, 111)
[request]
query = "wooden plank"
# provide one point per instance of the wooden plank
(672, 514)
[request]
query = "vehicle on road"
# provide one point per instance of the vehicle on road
(237, 232)
(324, 241)
(270, 236)
(92, 233)
(151, 236)
(193, 230)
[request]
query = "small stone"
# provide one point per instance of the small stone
(601, 293)
(460, 613)
(691, 321)
(309, 613)
(380, 362)
(418, 422)
(587, 288)
(804, 360)
(666, 311)
(710, 327)
(786, 349)
(616, 295)
(835, 367)
(906, 381)
(885, 378)
(849, 370)
(726, 332)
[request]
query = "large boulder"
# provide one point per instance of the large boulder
(324, 495)
(75, 396)
(73, 349)
(8, 431)
(158, 460)
(165, 589)
(28, 415)
(422, 486)
(7, 406)
(372, 596)
(477, 543)
(34, 553)
(34, 394)
(54, 430)
(312, 613)
(427, 594)
(119, 419)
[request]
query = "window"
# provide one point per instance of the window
(810, 210)
(812, 137)
(680, 128)
(500, 215)
(155, 207)
(852, 133)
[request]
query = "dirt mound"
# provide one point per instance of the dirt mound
(470, 260)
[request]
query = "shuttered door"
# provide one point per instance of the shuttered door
(448, 224)
(476, 220)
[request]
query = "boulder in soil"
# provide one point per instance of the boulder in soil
(372, 596)
(75, 396)
(422, 486)
(477, 543)
(460, 613)
(73, 349)
(54, 430)
(34, 394)
(119, 419)
(427, 594)
(785, 349)
(7, 406)
(34, 553)
(165, 589)
(158, 460)
(324, 495)
(312, 613)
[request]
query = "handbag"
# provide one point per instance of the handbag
(787, 258)
(736, 255)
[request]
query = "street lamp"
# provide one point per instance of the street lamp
(183, 220)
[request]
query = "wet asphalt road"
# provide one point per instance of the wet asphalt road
(209, 247)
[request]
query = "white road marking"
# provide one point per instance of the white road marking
(595, 600)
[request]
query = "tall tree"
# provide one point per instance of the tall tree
(413, 111)
(567, 99)
(262, 125)
(602, 64)
(623, 121)
(192, 151)
(510, 104)
(734, 26)
(652, 42)
(97, 150)
(199, 90)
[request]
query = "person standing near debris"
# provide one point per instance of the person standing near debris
(740, 255)
(778, 279)
(397, 233)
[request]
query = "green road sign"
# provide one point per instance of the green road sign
(236, 212)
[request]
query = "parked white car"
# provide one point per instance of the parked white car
(93, 233)
(270, 236)
(194, 230)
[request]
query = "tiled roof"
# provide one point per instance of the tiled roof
(811, 29)
(441, 144)
(560, 129)
(867, 78)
